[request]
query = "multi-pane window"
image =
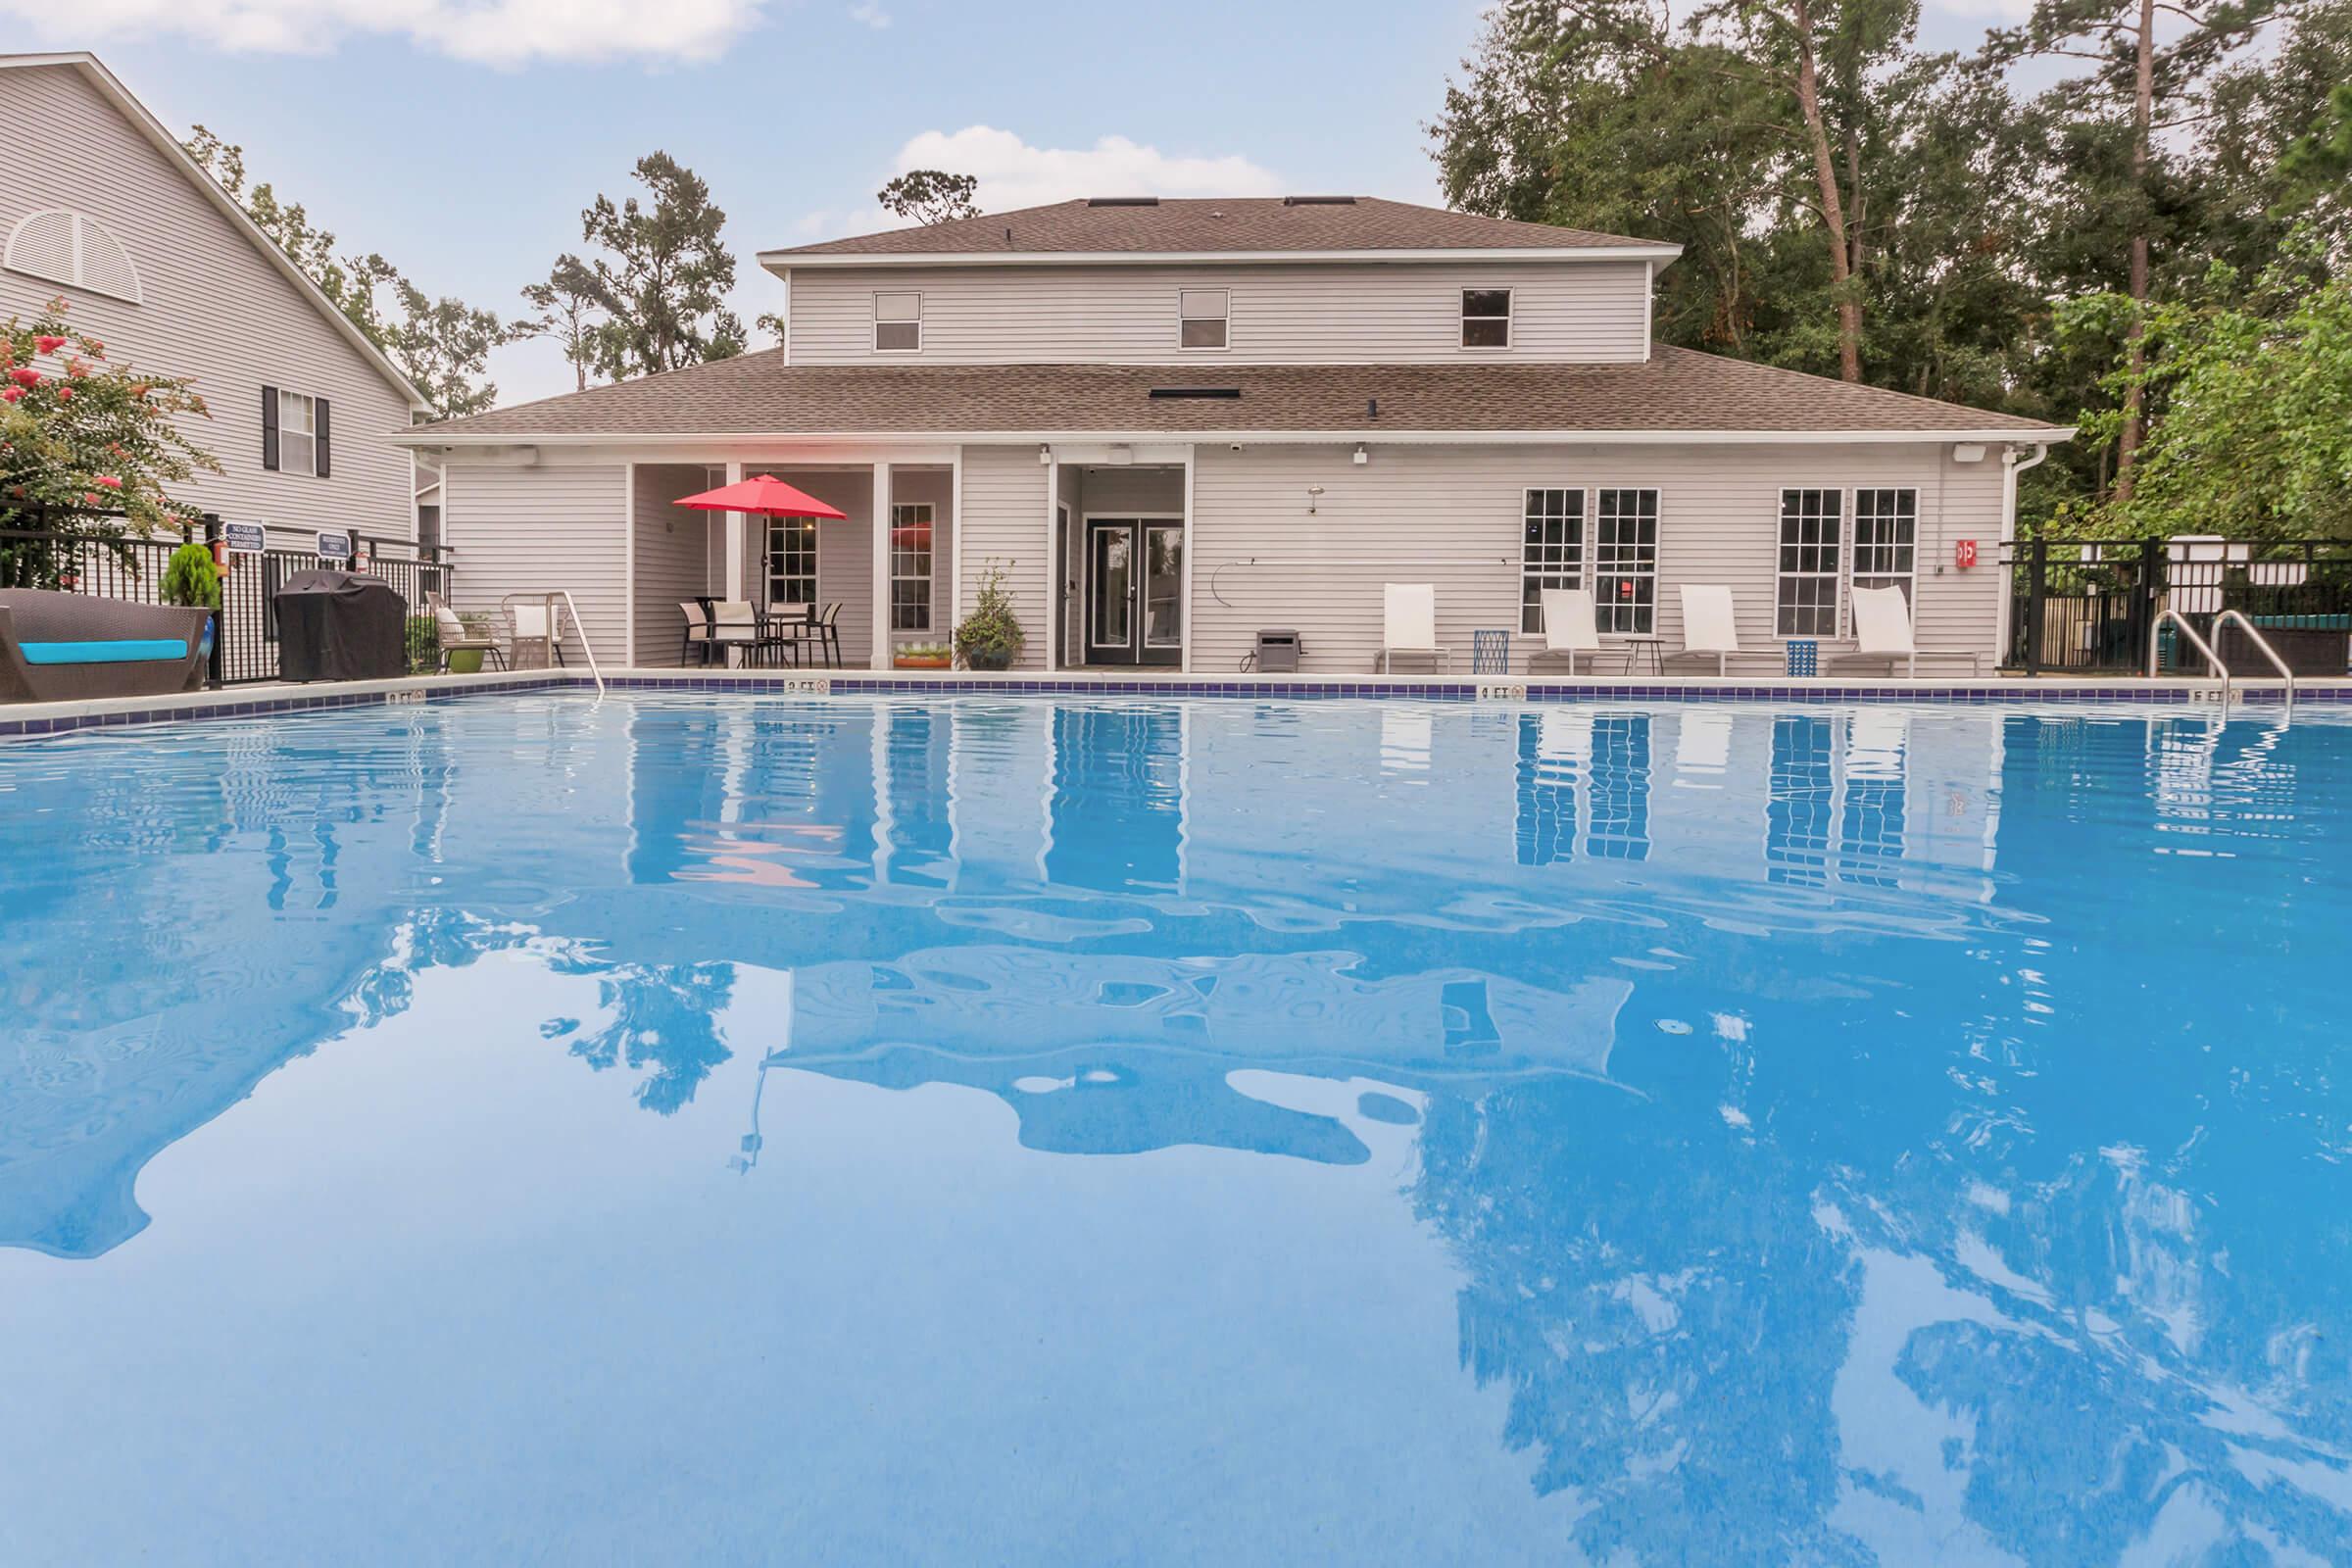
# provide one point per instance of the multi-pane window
(1551, 553)
(1486, 317)
(792, 561)
(1200, 318)
(1885, 539)
(897, 324)
(1625, 561)
(1812, 528)
(297, 433)
(910, 566)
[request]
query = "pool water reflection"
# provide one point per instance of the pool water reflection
(544, 1128)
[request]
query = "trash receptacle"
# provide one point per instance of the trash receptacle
(341, 626)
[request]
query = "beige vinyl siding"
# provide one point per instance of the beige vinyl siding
(531, 530)
(1363, 313)
(1003, 522)
(214, 307)
(674, 549)
(1453, 516)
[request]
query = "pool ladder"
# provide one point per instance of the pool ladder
(2253, 635)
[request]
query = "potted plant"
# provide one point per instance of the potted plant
(191, 578)
(922, 656)
(990, 636)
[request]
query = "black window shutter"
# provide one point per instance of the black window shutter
(318, 406)
(268, 427)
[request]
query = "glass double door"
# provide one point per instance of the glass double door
(1134, 591)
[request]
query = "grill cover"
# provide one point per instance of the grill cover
(341, 626)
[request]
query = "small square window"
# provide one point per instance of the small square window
(1200, 318)
(897, 324)
(1486, 317)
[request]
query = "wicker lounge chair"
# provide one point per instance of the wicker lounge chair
(63, 648)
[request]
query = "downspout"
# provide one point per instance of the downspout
(2011, 468)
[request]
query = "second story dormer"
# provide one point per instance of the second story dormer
(1271, 280)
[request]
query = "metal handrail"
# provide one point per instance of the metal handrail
(2167, 612)
(2262, 643)
(586, 646)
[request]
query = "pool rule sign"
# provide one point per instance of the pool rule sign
(242, 538)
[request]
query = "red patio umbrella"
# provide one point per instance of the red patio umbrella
(766, 495)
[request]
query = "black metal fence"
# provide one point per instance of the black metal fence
(2089, 607)
(81, 558)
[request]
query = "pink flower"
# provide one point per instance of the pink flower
(65, 394)
(96, 348)
(11, 394)
(110, 481)
(50, 344)
(24, 375)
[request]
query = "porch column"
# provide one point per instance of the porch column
(880, 659)
(1185, 608)
(733, 546)
(1054, 566)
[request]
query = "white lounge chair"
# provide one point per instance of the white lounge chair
(449, 629)
(734, 623)
(1883, 634)
(1570, 626)
(1710, 629)
(1409, 624)
(534, 619)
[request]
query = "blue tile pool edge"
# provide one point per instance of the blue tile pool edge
(180, 707)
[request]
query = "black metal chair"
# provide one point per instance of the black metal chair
(828, 633)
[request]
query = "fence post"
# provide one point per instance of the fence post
(2037, 575)
(216, 667)
(2151, 565)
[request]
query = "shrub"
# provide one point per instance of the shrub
(990, 636)
(191, 578)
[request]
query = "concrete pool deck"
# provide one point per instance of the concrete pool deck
(25, 721)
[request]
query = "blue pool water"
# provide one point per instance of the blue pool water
(847, 1131)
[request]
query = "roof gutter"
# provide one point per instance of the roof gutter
(426, 437)
(788, 260)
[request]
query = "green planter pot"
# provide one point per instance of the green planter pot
(988, 658)
(466, 662)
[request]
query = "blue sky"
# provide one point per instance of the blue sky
(462, 138)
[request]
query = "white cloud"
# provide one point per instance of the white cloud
(1012, 174)
(872, 14)
(492, 32)
(1986, 10)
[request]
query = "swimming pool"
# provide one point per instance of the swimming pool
(1005, 1130)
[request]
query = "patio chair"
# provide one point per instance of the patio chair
(1883, 634)
(734, 624)
(695, 644)
(61, 647)
(533, 618)
(449, 629)
(1710, 627)
(825, 632)
(1570, 626)
(1409, 626)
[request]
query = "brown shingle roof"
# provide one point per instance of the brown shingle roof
(1191, 225)
(1678, 389)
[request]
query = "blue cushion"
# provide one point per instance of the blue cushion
(122, 650)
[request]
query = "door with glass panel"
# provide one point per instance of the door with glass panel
(1134, 591)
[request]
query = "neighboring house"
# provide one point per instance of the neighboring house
(99, 205)
(1172, 423)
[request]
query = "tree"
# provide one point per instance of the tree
(931, 195)
(663, 277)
(572, 314)
(442, 346)
(82, 437)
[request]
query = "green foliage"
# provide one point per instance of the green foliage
(661, 277)
(425, 645)
(83, 436)
(572, 314)
(442, 346)
(191, 578)
(990, 635)
(931, 195)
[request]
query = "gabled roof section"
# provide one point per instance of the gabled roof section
(1272, 228)
(113, 90)
(1677, 395)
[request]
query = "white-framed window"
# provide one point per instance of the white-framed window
(74, 249)
(1486, 317)
(294, 432)
(897, 324)
(1552, 551)
(1885, 539)
(910, 565)
(792, 561)
(1625, 561)
(1811, 540)
(1200, 318)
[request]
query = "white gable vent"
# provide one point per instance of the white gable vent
(67, 248)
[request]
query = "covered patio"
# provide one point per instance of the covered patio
(894, 584)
